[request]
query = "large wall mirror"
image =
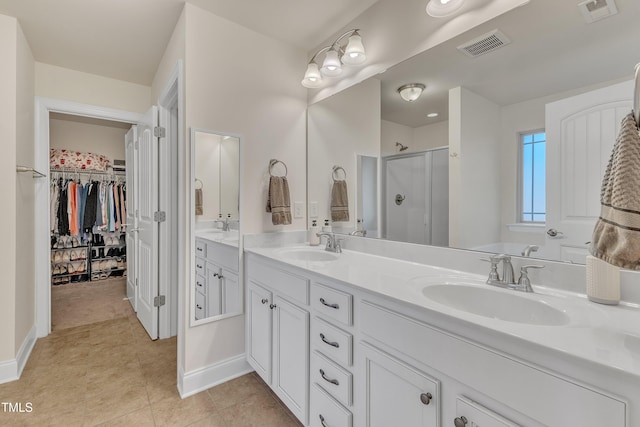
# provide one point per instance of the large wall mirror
(503, 151)
(216, 290)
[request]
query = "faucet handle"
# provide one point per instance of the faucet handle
(524, 270)
(524, 281)
(493, 274)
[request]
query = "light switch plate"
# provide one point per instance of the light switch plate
(298, 209)
(313, 209)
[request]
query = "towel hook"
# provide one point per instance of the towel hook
(335, 175)
(201, 184)
(274, 162)
(636, 97)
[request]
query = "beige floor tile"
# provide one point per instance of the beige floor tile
(234, 391)
(162, 388)
(109, 405)
(182, 412)
(258, 410)
(211, 421)
(46, 376)
(140, 418)
(112, 380)
(70, 415)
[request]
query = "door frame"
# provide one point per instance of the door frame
(43, 108)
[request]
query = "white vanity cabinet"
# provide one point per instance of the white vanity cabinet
(278, 332)
(218, 289)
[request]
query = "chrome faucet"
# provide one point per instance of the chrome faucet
(226, 223)
(362, 233)
(528, 249)
(507, 281)
(333, 244)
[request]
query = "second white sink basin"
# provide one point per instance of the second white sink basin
(306, 254)
(496, 304)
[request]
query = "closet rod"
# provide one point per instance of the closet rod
(36, 174)
(86, 171)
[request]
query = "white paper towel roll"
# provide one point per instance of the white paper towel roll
(603, 281)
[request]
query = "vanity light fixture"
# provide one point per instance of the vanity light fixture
(432, 115)
(412, 91)
(443, 8)
(335, 55)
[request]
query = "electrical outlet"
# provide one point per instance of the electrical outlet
(298, 209)
(313, 209)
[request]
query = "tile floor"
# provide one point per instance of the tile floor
(110, 373)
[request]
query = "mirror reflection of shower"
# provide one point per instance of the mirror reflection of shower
(402, 147)
(416, 197)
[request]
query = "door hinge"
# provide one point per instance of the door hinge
(160, 216)
(136, 282)
(159, 301)
(159, 132)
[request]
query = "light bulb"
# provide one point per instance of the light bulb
(312, 78)
(354, 52)
(331, 66)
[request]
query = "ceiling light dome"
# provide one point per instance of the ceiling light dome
(412, 91)
(442, 8)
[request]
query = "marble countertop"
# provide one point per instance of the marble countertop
(606, 335)
(229, 238)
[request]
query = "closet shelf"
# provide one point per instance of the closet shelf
(69, 249)
(106, 270)
(55, 276)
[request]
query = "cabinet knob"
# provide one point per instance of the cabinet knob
(460, 421)
(426, 398)
(272, 306)
(322, 421)
(331, 343)
(327, 379)
(323, 302)
(264, 300)
(198, 307)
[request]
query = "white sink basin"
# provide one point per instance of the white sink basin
(306, 254)
(496, 304)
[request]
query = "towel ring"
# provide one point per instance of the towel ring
(201, 185)
(274, 162)
(334, 173)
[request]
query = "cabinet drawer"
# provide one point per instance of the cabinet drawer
(332, 303)
(200, 284)
(331, 377)
(200, 309)
(200, 266)
(563, 402)
(325, 411)
(332, 341)
(224, 255)
(287, 284)
(201, 248)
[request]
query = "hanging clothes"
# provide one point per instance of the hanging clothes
(62, 214)
(123, 208)
(54, 190)
(91, 207)
(116, 205)
(73, 208)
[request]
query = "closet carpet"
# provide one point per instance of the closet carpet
(111, 374)
(76, 304)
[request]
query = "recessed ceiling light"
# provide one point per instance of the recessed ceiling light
(442, 8)
(432, 115)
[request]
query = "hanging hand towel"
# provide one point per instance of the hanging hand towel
(616, 236)
(339, 201)
(278, 202)
(199, 209)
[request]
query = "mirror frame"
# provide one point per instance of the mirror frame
(192, 227)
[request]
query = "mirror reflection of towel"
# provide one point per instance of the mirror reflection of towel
(339, 201)
(278, 201)
(199, 209)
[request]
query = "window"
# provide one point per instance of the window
(532, 176)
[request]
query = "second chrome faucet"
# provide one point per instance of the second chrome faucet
(508, 279)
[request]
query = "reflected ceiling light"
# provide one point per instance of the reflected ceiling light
(335, 55)
(412, 91)
(432, 115)
(442, 8)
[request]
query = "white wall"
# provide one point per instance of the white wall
(390, 133)
(422, 138)
(474, 171)
(239, 88)
(338, 127)
(62, 83)
(88, 135)
(431, 136)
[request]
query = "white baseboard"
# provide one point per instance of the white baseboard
(11, 370)
(193, 382)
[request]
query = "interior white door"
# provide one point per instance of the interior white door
(405, 192)
(581, 131)
(131, 158)
(147, 242)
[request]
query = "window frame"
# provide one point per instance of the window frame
(520, 171)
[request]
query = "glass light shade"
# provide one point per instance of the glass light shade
(442, 8)
(354, 52)
(331, 66)
(312, 78)
(411, 92)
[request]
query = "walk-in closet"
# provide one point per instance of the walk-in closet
(88, 196)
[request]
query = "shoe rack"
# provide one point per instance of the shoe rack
(73, 261)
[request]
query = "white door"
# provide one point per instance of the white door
(132, 205)
(581, 131)
(405, 204)
(147, 245)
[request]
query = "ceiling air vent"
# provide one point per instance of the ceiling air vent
(484, 44)
(595, 10)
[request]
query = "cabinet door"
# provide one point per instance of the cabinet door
(214, 290)
(291, 356)
(398, 394)
(259, 330)
(231, 292)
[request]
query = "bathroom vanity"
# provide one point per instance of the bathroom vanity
(355, 339)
